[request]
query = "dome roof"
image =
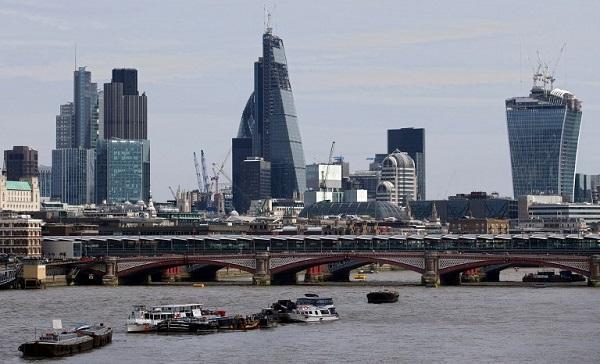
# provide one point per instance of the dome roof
(378, 210)
(399, 159)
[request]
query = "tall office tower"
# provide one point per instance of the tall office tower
(73, 160)
(583, 188)
(45, 181)
(122, 171)
(85, 110)
(73, 171)
(123, 158)
(125, 112)
(64, 126)
(20, 162)
(543, 134)
(270, 120)
(411, 141)
(256, 173)
(241, 148)
(398, 183)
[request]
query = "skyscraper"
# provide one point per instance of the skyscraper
(73, 160)
(256, 173)
(411, 141)
(543, 134)
(270, 120)
(123, 158)
(20, 162)
(397, 184)
(241, 148)
(125, 112)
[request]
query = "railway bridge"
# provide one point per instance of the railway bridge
(435, 267)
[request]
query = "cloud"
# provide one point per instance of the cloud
(46, 21)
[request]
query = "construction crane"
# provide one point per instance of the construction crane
(324, 182)
(175, 194)
(216, 173)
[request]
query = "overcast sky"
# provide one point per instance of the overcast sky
(357, 69)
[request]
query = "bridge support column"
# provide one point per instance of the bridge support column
(262, 275)
(594, 279)
(431, 276)
(110, 278)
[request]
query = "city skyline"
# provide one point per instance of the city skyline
(458, 98)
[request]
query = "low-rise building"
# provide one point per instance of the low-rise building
(20, 196)
(590, 213)
(479, 226)
(20, 235)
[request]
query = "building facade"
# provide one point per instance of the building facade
(20, 196)
(256, 174)
(65, 126)
(125, 111)
(122, 171)
(323, 175)
(20, 162)
(20, 235)
(73, 172)
(365, 180)
(543, 134)
(411, 141)
(479, 226)
(45, 180)
(270, 120)
(583, 188)
(241, 148)
(581, 211)
(398, 184)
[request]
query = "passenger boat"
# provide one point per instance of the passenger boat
(384, 296)
(564, 276)
(310, 308)
(142, 319)
(60, 342)
(310, 313)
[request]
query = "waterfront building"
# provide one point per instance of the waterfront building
(543, 134)
(583, 188)
(270, 120)
(323, 176)
(479, 226)
(125, 111)
(398, 184)
(411, 141)
(122, 171)
(45, 180)
(20, 162)
(256, 174)
(73, 171)
(22, 195)
(479, 205)
(20, 235)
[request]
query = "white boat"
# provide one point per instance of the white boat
(314, 300)
(310, 313)
(142, 319)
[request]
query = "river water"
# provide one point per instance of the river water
(447, 324)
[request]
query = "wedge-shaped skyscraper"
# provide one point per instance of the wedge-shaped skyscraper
(543, 133)
(270, 121)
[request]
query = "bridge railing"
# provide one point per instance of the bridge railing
(251, 245)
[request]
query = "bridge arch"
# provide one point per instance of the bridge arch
(161, 264)
(302, 264)
(512, 261)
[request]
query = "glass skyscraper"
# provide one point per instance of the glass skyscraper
(270, 120)
(543, 134)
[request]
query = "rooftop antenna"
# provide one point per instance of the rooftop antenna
(269, 27)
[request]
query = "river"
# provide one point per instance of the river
(447, 324)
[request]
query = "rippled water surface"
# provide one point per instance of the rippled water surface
(448, 324)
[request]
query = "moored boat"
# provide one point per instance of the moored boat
(143, 319)
(564, 276)
(384, 296)
(310, 313)
(310, 308)
(188, 324)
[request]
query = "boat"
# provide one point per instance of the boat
(564, 276)
(384, 296)
(360, 277)
(198, 285)
(311, 313)
(188, 324)
(310, 308)
(143, 319)
(60, 342)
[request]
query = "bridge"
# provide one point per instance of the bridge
(277, 259)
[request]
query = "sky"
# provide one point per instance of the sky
(357, 68)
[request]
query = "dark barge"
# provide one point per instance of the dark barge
(56, 344)
(383, 296)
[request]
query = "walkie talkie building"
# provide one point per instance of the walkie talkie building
(543, 134)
